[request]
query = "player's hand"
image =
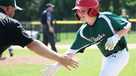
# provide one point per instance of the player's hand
(53, 68)
(68, 62)
(69, 55)
(111, 42)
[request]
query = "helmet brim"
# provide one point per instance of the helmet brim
(18, 8)
(78, 7)
(75, 8)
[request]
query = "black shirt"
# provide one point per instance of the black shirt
(46, 16)
(12, 32)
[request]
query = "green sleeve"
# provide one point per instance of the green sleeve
(118, 22)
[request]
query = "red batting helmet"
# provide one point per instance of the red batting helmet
(93, 6)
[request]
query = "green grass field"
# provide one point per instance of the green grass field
(90, 62)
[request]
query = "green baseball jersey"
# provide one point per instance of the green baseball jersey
(105, 26)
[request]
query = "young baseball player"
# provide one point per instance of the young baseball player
(107, 31)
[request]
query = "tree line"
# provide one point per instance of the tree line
(63, 8)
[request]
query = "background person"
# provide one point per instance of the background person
(48, 29)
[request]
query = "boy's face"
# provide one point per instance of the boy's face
(84, 15)
(10, 11)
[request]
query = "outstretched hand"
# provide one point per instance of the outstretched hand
(68, 62)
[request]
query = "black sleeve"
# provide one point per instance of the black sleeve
(17, 34)
(44, 18)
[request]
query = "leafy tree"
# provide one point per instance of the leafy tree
(30, 10)
(130, 5)
(63, 10)
(111, 5)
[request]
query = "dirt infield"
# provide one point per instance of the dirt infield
(38, 59)
(25, 60)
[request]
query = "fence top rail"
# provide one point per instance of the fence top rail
(63, 22)
(55, 22)
(132, 20)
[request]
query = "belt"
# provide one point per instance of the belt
(115, 52)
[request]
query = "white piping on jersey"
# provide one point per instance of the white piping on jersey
(81, 32)
(75, 51)
(101, 16)
(128, 26)
(84, 46)
(109, 22)
(2, 16)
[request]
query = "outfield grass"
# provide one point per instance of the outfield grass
(90, 63)
(131, 37)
